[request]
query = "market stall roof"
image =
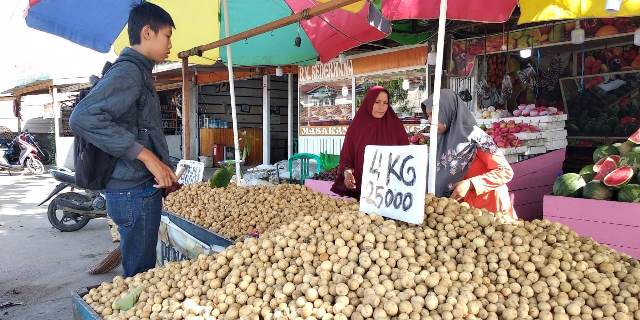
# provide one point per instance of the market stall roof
(43, 86)
(169, 76)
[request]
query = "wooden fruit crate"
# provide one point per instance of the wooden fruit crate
(532, 180)
(615, 224)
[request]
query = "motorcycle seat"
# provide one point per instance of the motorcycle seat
(64, 176)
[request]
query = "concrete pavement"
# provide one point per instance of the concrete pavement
(39, 265)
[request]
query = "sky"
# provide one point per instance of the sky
(27, 53)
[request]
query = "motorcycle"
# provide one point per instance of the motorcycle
(14, 152)
(71, 211)
(19, 155)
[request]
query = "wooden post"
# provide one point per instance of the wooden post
(186, 110)
(56, 126)
(18, 101)
(266, 121)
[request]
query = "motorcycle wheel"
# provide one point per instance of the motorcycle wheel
(45, 157)
(63, 220)
(34, 166)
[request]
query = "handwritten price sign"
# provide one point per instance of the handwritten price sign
(394, 182)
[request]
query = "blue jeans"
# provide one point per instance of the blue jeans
(137, 212)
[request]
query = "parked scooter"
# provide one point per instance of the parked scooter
(71, 211)
(20, 154)
(43, 154)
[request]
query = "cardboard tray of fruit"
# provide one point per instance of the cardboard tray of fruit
(556, 144)
(551, 135)
(535, 150)
(530, 120)
(529, 135)
(517, 150)
(534, 143)
(512, 158)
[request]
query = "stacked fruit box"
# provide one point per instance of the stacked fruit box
(551, 135)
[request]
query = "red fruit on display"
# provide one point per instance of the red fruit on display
(618, 177)
(635, 137)
(604, 168)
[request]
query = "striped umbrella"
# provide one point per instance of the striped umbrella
(546, 10)
(99, 24)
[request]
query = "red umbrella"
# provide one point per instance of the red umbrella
(490, 11)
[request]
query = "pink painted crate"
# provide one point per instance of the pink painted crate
(616, 224)
(532, 180)
(539, 163)
(322, 187)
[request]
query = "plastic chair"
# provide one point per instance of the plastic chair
(304, 165)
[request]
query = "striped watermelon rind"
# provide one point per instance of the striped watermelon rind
(603, 169)
(618, 177)
(629, 193)
(635, 137)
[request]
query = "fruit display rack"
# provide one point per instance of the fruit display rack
(552, 136)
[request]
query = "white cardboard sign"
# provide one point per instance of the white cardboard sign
(194, 171)
(394, 182)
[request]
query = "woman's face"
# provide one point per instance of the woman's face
(442, 128)
(381, 105)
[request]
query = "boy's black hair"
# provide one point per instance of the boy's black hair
(147, 13)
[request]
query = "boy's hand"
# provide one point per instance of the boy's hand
(161, 172)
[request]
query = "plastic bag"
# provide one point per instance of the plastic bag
(127, 300)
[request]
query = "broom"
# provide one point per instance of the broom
(110, 262)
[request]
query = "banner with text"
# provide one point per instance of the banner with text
(394, 182)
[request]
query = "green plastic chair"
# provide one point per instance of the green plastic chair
(304, 165)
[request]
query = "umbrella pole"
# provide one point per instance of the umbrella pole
(433, 132)
(186, 106)
(232, 92)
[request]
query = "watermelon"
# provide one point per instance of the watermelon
(629, 193)
(587, 173)
(568, 185)
(631, 160)
(635, 137)
(624, 148)
(604, 168)
(604, 151)
(616, 159)
(618, 177)
(597, 191)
